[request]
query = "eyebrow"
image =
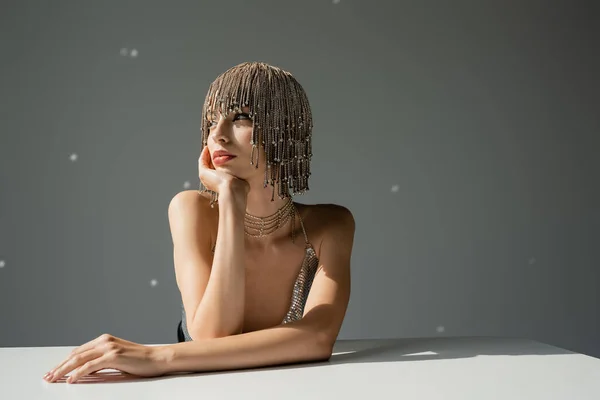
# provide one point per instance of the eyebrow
(212, 115)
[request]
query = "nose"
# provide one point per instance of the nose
(220, 132)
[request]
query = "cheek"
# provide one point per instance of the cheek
(245, 135)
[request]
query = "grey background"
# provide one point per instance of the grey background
(462, 135)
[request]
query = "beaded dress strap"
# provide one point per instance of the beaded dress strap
(302, 225)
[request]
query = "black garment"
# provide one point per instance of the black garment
(180, 337)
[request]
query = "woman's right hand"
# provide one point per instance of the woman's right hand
(217, 181)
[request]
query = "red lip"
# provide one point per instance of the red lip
(221, 153)
(220, 157)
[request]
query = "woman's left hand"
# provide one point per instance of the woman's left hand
(107, 351)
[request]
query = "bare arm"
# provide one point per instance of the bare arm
(290, 343)
(221, 311)
(309, 339)
(212, 292)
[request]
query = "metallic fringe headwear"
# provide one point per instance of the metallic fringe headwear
(281, 116)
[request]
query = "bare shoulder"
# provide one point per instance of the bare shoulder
(190, 200)
(193, 225)
(190, 205)
(329, 214)
(328, 219)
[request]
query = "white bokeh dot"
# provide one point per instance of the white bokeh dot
(440, 329)
(186, 185)
(124, 51)
(134, 53)
(73, 157)
(2, 263)
(153, 282)
(395, 188)
(336, 1)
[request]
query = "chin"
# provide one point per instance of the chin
(226, 167)
(230, 170)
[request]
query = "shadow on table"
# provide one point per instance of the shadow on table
(381, 350)
(423, 349)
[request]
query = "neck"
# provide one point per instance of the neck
(259, 202)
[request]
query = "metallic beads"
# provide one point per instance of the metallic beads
(282, 120)
(302, 285)
(260, 227)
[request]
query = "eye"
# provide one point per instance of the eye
(237, 117)
(242, 116)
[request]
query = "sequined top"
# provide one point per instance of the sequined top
(301, 289)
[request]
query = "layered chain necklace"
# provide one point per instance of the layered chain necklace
(259, 227)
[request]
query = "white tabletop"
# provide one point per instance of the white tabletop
(481, 368)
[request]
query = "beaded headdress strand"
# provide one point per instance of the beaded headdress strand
(282, 122)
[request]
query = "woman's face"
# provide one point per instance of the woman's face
(229, 144)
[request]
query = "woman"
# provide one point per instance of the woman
(252, 293)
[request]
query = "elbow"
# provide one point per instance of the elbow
(322, 336)
(327, 348)
(197, 336)
(211, 325)
(324, 342)
(207, 335)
